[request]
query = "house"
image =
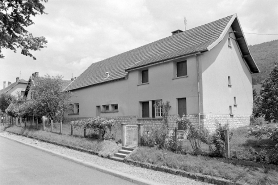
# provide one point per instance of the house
(204, 72)
(32, 80)
(16, 89)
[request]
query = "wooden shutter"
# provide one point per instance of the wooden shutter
(182, 68)
(145, 109)
(145, 76)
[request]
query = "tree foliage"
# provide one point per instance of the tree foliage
(15, 17)
(269, 96)
(49, 99)
(5, 100)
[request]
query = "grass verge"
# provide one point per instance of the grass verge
(104, 148)
(206, 166)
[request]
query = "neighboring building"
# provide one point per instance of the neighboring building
(204, 72)
(32, 80)
(15, 89)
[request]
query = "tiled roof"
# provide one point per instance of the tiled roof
(5, 90)
(190, 41)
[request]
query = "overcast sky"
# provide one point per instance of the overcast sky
(80, 32)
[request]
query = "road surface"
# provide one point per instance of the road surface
(21, 164)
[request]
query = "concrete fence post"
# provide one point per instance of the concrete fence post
(139, 133)
(43, 123)
(37, 123)
(16, 121)
(227, 143)
(51, 122)
(33, 120)
(61, 127)
(123, 133)
(71, 128)
(84, 132)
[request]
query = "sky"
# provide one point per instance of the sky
(81, 32)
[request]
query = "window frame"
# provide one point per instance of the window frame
(158, 112)
(144, 79)
(179, 74)
(144, 113)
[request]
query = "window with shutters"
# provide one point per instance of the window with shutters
(181, 68)
(144, 76)
(181, 110)
(145, 109)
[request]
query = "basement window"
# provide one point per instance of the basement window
(105, 108)
(114, 107)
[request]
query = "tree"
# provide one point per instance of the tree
(269, 96)
(15, 17)
(5, 101)
(49, 99)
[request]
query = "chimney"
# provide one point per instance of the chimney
(17, 79)
(4, 84)
(176, 32)
(9, 83)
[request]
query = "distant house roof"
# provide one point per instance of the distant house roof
(7, 89)
(196, 40)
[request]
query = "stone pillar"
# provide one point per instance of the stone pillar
(139, 133)
(123, 133)
(71, 128)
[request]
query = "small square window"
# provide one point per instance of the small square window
(145, 76)
(229, 81)
(114, 107)
(105, 108)
(181, 68)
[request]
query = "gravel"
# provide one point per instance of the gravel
(150, 175)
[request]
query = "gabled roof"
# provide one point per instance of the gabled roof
(7, 89)
(196, 40)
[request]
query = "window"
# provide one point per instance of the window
(76, 108)
(229, 43)
(105, 108)
(157, 108)
(235, 104)
(181, 68)
(98, 110)
(71, 109)
(229, 81)
(145, 76)
(145, 109)
(181, 106)
(231, 110)
(114, 107)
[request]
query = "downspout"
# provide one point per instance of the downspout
(198, 88)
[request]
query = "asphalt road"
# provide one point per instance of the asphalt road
(21, 164)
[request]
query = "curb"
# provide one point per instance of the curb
(195, 176)
(121, 175)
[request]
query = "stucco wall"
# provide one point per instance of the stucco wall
(128, 93)
(223, 61)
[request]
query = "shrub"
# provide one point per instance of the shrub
(102, 125)
(218, 140)
(156, 136)
(195, 134)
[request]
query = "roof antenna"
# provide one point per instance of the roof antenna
(185, 23)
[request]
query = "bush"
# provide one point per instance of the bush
(156, 136)
(218, 140)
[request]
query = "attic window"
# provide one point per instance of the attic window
(229, 43)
